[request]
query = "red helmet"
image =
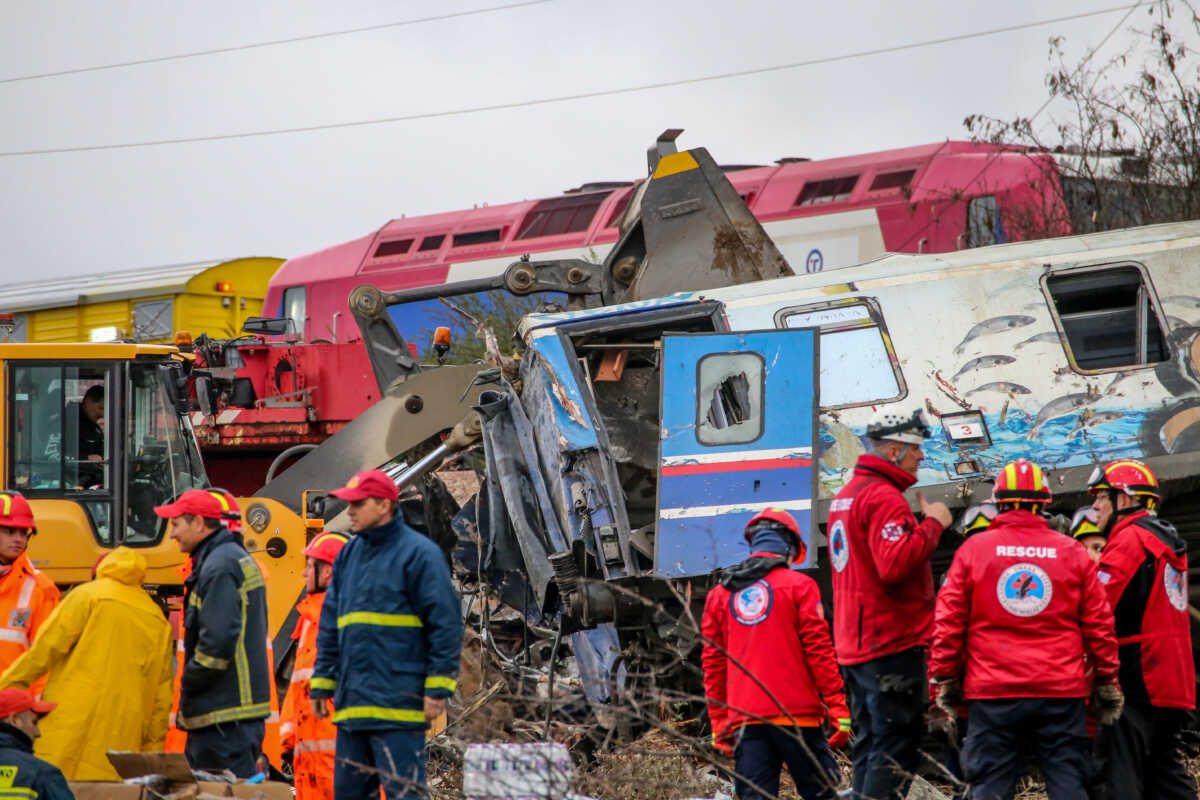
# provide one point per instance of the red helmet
(1021, 482)
(326, 546)
(15, 512)
(783, 522)
(1129, 477)
(231, 512)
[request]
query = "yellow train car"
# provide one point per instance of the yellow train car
(144, 305)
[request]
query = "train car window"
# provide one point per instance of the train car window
(1109, 317)
(984, 223)
(619, 209)
(892, 180)
(729, 398)
(475, 237)
(858, 366)
(396, 247)
(830, 190)
(569, 214)
(432, 243)
(152, 319)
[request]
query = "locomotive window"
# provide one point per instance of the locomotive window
(619, 209)
(1109, 317)
(294, 307)
(984, 224)
(569, 214)
(831, 190)
(432, 242)
(396, 247)
(857, 366)
(475, 237)
(730, 398)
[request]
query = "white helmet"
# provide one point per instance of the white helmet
(894, 426)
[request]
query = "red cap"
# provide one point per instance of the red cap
(370, 483)
(14, 701)
(211, 505)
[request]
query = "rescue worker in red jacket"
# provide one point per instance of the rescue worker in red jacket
(1144, 567)
(310, 740)
(883, 602)
(770, 676)
(1021, 609)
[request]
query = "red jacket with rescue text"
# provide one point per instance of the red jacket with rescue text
(1021, 607)
(882, 583)
(1144, 567)
(770, 631)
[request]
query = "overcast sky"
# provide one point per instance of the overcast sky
(285, 195)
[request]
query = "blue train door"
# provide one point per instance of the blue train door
(738, 430)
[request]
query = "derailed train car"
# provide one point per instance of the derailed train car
(640, 438)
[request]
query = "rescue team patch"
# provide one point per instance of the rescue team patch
(839, 546)
(892, 532)
(752, 605)
(19, 618)
(1176, 583)
(840, 504)
(1024, 590)
(1104, 576)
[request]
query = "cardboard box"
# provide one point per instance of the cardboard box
(104, 790)
(271, 790)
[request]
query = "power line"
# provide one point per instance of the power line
(567, 97)
(996, 154)
(272, 43)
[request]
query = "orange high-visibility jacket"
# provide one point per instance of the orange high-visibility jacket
(27, 596)
(311, 739)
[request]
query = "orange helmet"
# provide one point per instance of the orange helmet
(1129, 477)
(15, 512)
(783, 522)
(326, 546)
(1021, 482)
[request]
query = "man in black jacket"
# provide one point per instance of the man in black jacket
(225, 688)
(21, 773)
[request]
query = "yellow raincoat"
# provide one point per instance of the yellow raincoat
(108, 650)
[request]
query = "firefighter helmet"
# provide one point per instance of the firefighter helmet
(978, 517)
(781, 521)
(1084, 523)
(15, 512)
(893, 426)
(1021, 482)
(231, 512)
(1129, 477)
(326, 546)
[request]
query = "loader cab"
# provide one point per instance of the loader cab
(94, 439)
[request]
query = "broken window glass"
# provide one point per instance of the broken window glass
(730, 398)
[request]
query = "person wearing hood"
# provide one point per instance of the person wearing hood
(770, 675)
(883, 601)
(107, 650)
(1144, 569)
(23, 774)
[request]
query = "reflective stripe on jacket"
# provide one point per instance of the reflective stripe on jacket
(311, 739)
(24, 775)
(1144, 567)
(390, 632)
(882, 583)
(107, 650)
(1021, 609)
(226, 676)
(27, 597)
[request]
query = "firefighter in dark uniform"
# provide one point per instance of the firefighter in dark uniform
(1021, 609)
(225, 690)
(22, 774)
(883, 602)
(1144, 567)
(770, 676)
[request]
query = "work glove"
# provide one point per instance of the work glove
(941, 723)
(943, 715)
(1107, 703)
(722, 737)
(839, 721)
